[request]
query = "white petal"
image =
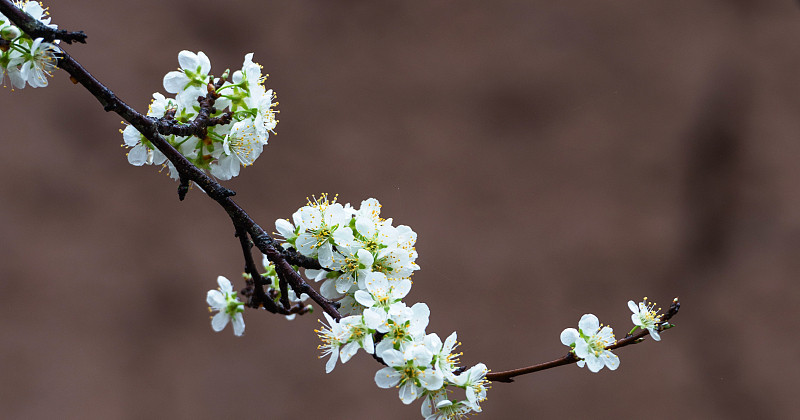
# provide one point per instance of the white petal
(348, 351)
(589, 324)
(305, 244)
(594, 363)
(374, 317)
(138, 155)
(569, 336)
(408, 392)
(131, 136)
(653, 333)
(175, 81)
(219, 321)
(392, 357)
(581, 349)
(450, 342)
(215, 299)
(364, 298)
(238, 324)
(633, 306)
(431, 379)
(188, 60)
(332, 361)
(284, 228)
(224, 284)
(204, 62)
(611, 360)
(387, 377)
(328, 289)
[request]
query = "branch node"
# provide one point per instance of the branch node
(183, 187)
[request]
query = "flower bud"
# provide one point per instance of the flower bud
(10, 32)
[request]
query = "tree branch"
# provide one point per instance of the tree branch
(509, 375)
(37, 29)
(154, 130)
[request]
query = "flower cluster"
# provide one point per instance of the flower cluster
(591, 340)
(225, 147)
(367, 266)
(27, 60)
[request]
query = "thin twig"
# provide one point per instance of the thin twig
(509, 375)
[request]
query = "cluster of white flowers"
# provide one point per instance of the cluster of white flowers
(225, 148)
(591, 340)
(367, 264)
(27, 60)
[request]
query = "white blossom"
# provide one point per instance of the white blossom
(411, 371)
(230, 308)
(646, 317)
(589, 342)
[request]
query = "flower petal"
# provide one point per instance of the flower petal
(238, 324)
(589, 324)
(569, 336)
(219, 321)
(387, 377)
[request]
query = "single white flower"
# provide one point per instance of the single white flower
(355, 264)
(410, 371)
(646, 317)
(12, 70)
(380, 292)
(590, 342)
(359, 332)
(318, 221)
(37, 63)
(140, 153)
(191, 80)
(403, 327)
(443, 357)
(333, 336)
(474, 380)
(230, 308)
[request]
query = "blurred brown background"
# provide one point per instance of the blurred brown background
(555, 158)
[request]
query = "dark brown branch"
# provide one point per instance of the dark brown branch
(257, 296)
(189, 173)
(283, 259)
(199, 126)
(509, 375)
(36, 29)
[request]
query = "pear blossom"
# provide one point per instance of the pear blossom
(411, 371)
(645, 317)
(140, 153)
(589, 343)
(318, 222)
(192, 78)
(474, 381)
(230, 308)
(403, 326)
(354, 264)
(443, 357)
(37, 62)
(359, 332)
(380, 292)
(333, 336)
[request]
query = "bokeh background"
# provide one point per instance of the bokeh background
(555, 158)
